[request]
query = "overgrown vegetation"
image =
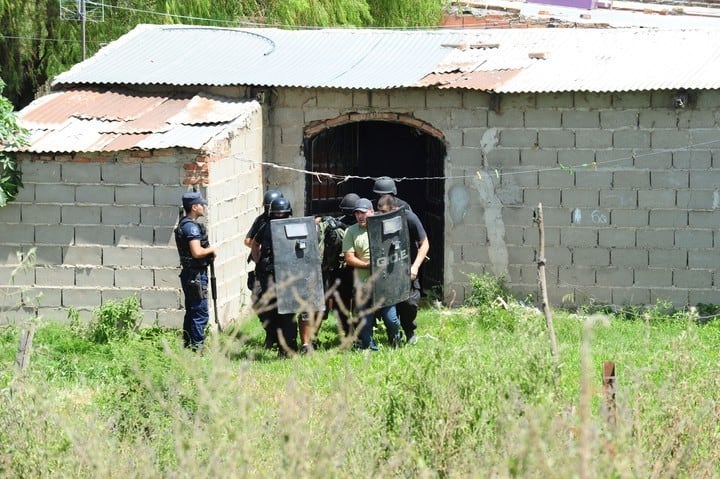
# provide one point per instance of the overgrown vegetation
(11, 136)
(478, 396)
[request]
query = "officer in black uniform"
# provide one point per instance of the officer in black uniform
(276, 324)
(385, 185)
(195, 255)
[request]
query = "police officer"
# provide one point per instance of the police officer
(275, 324)
(385, 185)
(419, 247)
(263, 218)
(195, 255)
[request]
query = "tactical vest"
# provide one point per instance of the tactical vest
(183, 246)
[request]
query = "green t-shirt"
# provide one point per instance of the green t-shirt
(357, 240)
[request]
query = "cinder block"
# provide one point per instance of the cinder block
(512, 137)
(94, 235)
(555, 100)
(692, 278)
(655, 238)
(705, 179)
(97, 277)
(677, 297)
(653, 119)
(546, 196)
(159, 299)
(695, 238)
(135, 278)
(703, 296)
(333, 98)
(12, 255)
(614, 276)
(630, 258)
(164, 195)
(684, 159)
(505, 119)
(54, 235)
(656, 199)
(704, 219)
(54, 276)
(543, 119)
(556, 139)
(556, 178)
(596, 139)
(171, 318)
(670, 179)
(576, 276)
(520, 255)
(673, 258)
(158, 215)
(558, 256)
(614, 158)
(18, 234)
(118, 256)
(577, 159)
(692, 118)
(653, 160)
(591, 100)
(617, 237)
(80, 173)
(120, 173)
(653, 277)
(696, 200)
(669, 138)
(592, 178)
(579, 236)
(134, 236)
(630, 99)
(591, 257)
(81, 297)
(55, 193)
(159, 257)
(576, 119)
(80, 215)
(140, 194)
(618, 198)
(320, 114)
(40, 171)
(558, 217)
(44, 255)
(668, 218)
(634, 218)
(120, 215)
(631, 139)
(441, 99)
(504, 158)
(82, 255)
(619, 119)
(703, 258)
(94, 194)
(161, 173)
(580, 198)
(45, 297)
(10, 213)
(634, 296)
(17, 276)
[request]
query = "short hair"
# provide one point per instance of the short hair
(387, 201)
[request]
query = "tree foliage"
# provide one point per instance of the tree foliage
(11, 135)
(41, 38)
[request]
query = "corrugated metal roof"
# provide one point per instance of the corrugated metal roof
(502, 60)
(111, 120)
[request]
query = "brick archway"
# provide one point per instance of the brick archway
(317, 127)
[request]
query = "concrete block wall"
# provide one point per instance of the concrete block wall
(628, 184)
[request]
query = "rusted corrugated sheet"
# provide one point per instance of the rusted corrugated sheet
(112, 120)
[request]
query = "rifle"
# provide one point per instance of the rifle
(213, 292)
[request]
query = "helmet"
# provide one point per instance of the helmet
(347, 204)
(270, 195)
(281, 205)
(384, 185)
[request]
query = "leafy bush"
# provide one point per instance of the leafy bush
(486, 289)
(115, 320)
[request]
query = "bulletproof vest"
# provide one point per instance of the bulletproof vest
(183, 246)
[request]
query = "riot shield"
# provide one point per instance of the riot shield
(390, 254)
(296, 256)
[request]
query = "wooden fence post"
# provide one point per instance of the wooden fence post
(22, 358)
(543, 284)
(609, 392)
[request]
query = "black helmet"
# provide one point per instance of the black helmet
(281, 205)
(270, 195)
(384, 185)
(347, 204)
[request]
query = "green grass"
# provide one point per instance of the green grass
(478, 396)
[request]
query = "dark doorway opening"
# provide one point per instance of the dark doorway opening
(381, 148)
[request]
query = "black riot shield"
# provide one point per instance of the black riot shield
(390, 254)
(296, 256)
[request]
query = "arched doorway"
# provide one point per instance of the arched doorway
(372, 148)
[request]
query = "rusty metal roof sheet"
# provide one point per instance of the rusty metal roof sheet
(499, 60)
(92, 120)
